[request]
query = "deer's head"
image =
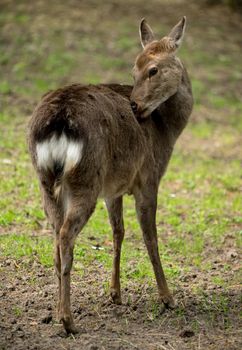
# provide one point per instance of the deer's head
(157, 71)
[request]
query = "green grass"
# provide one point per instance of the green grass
(17, 311)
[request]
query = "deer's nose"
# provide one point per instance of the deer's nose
(134, 106)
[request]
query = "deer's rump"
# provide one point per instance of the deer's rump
(87, 129)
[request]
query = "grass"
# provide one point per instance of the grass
(17, 311)
(199, 198)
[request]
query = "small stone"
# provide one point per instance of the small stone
(25, 278)
(79, 310)
(93, 347)
(47, 319)
(18, 328)
(232, 254)
(187, 333)
(11, 288)
(29, 302)
(8, 262)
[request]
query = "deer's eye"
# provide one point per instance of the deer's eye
(153, 71)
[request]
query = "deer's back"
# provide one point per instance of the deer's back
(113, 141)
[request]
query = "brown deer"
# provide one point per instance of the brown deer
(105, 141)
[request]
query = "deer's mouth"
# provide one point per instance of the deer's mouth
(145, 112)
(141, 110)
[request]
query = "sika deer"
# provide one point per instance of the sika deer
(86, 142)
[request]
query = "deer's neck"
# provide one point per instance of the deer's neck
(175, 112)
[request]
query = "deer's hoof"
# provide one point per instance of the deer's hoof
(69, 325)
(168, 301)
(116, 297)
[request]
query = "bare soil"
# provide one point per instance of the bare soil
(28, 318)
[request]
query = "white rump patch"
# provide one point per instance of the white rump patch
(58, 150)
(73, 154)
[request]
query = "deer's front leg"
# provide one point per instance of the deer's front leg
(146, 211)
(115, 211)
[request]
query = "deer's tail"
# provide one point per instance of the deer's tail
(58, 154)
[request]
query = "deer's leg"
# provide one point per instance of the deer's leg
(57, 262)
(115, 211)
(54, 212)
(76, 217)
(146, 211)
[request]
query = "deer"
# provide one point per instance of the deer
(104, 141)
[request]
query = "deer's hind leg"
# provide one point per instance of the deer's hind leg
(115, 211)
(81, 206)
(55, 214)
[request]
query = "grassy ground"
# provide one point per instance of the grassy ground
(44, 45)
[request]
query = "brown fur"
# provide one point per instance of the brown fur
(156, 49)
(121, 154)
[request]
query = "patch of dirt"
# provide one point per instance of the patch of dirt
(208, 320)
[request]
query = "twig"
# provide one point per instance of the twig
(199, 345)
(162, 346)
(73, 337)
(171, 346)
(128, 342)
(16, 264)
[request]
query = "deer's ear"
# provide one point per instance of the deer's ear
(177, 33)
(146, 33)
